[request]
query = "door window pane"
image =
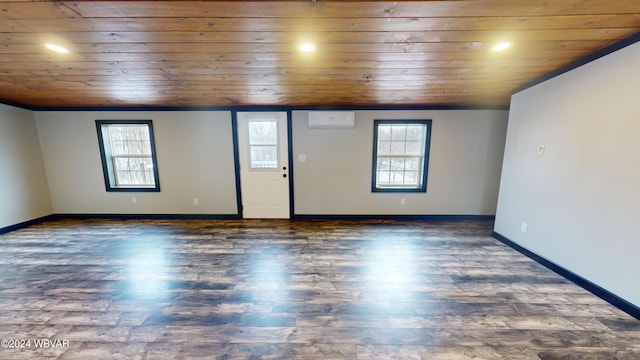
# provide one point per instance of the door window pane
(263, 133)
(263, 144)
(264, 157)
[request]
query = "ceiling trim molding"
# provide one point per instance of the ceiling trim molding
(15, 104)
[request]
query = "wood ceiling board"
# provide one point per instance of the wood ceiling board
(338, 9)
(114, 24)
(221, 53)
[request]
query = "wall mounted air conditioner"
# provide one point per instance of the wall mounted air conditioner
(332, 119)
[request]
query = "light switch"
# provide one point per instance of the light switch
(540, 149)
(302, 157)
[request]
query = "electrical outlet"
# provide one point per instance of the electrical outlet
(540, 150)
(134, 200)
(523, 227)
(403, 201)
(196, 201)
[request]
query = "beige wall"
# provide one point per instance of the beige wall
(24, 194)
(464, 167)
(581, 199)
(195, 160)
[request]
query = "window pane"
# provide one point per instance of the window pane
(397, 163)
(411, 178)
(122, 173)
(397, 177)
(117, 133)
(384, 132)
(135, 147)
(138, 177)
(119, 147)
(414, 148)
(414, 132)
(142, 177)
(384, 163)
(383, 177)
(136, 164)
(399, 132)
(263, 133)
(122, 164)
(124, 178)
(134, 171)
(397, 147)
(264, 157)
(146, 147)
(384, 147)
(411, 164)
(144, 133)
(133, 133)
(130, 140)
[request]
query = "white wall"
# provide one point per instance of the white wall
(195, 160)
(464, 166)
(24, 194)
(581, 199)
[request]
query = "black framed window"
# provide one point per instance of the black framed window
(400, 155)
(128, 153)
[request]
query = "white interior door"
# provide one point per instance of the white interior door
(264, 164)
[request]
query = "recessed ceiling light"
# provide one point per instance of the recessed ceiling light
(306, 47)
(56, 48)
(501, 46)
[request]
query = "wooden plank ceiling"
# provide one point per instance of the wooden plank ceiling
(230, 53)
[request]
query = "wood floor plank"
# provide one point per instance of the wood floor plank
(277, 289)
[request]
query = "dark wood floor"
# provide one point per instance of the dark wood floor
(105, 289)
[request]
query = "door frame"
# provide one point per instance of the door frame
(236, 156)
